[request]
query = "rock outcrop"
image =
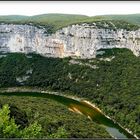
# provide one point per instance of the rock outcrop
(80, 40)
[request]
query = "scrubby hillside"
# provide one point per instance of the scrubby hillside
(132, 18)
(53, 21)
(58, 21)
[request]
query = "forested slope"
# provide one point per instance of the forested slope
(111, 81)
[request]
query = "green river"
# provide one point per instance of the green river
(82, 107)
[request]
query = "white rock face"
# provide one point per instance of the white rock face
(76, 40)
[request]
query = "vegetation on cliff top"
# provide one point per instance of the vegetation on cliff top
(53, 22)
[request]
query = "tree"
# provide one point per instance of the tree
(61, 133)
(9, 129)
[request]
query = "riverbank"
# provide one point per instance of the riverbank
(93, 105)
(28, 89)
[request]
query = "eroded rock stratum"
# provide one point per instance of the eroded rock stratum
(79, 40)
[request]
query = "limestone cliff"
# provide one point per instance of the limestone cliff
(80, 40)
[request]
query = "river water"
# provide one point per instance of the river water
(82, 107)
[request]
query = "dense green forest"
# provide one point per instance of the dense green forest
(111, 81)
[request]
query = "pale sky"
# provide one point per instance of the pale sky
(86, 7)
